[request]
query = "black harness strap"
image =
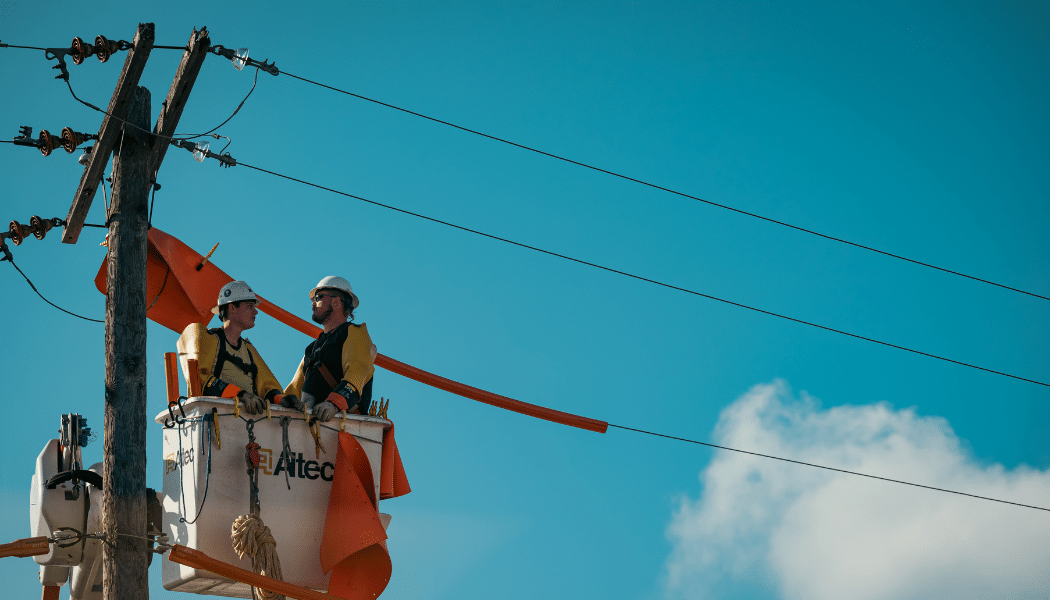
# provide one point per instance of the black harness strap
(223, 356)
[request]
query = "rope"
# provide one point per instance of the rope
(253, 538)
(250, 535)
(286, 450)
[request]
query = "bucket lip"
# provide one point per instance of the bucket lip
(192, 402)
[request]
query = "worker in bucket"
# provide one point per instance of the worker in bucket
(336, 371)
(230, 366)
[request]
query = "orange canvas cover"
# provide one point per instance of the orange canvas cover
(392, 479)
(353, 544)
(177, 294)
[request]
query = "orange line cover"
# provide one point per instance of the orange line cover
(199, 560)
(34, 546)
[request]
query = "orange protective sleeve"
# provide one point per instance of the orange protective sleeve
(171, 376)
(193, 386)
(25, 547)
(462, 389)
(197, 559)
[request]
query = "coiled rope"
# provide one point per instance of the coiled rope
(252, 537)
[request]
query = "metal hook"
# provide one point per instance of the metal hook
(176, 420)
(73, 540)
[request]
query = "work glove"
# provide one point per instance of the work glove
(325, 411)
(253, 404)
(292, 401)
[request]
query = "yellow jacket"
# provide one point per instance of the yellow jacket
(199, 343)
(355, 364)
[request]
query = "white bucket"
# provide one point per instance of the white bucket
(295, 516)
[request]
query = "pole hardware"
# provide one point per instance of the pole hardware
(68, 141)
(200, 152)
(37, 227)
(231, 54)
(79, 50)
(25, 137)
(102, 49)
(48, 142)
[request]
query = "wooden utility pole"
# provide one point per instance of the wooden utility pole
(124, 560)
(137, 156)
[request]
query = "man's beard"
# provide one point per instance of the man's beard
(321, 317)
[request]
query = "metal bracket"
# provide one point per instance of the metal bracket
(60, 55)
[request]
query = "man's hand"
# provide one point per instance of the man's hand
(252, 403)
(325, 411)
(292, 401)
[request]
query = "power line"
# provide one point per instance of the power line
(798, 462)
(176, 136)
(592, 167)
(639, 277)
(254, 83)
(12, 261)
(25, 47)
(668, 190)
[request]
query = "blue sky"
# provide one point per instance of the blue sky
(915, 128)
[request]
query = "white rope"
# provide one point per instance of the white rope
(252, 537)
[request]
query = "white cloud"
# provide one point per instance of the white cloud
(793, 531)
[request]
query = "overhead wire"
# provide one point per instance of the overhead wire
(799, 462)
(25, 47)
(187, 136)
(575, 162)
(12, 261)
(176, 136)
(646, 279)
(668, 190)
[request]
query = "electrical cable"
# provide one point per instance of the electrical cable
(668, 190)
(798, 462)
(26, 47)
(172, 137)
(578, 163)
(111, 116)
(11, 260)
(640, 278)
(187, 136)
(594, 168)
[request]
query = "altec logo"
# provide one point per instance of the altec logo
(294, 464)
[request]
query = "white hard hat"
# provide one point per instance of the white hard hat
(337, 283)
(234, 291)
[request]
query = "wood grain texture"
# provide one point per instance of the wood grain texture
(125, 562)
(109, 132)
